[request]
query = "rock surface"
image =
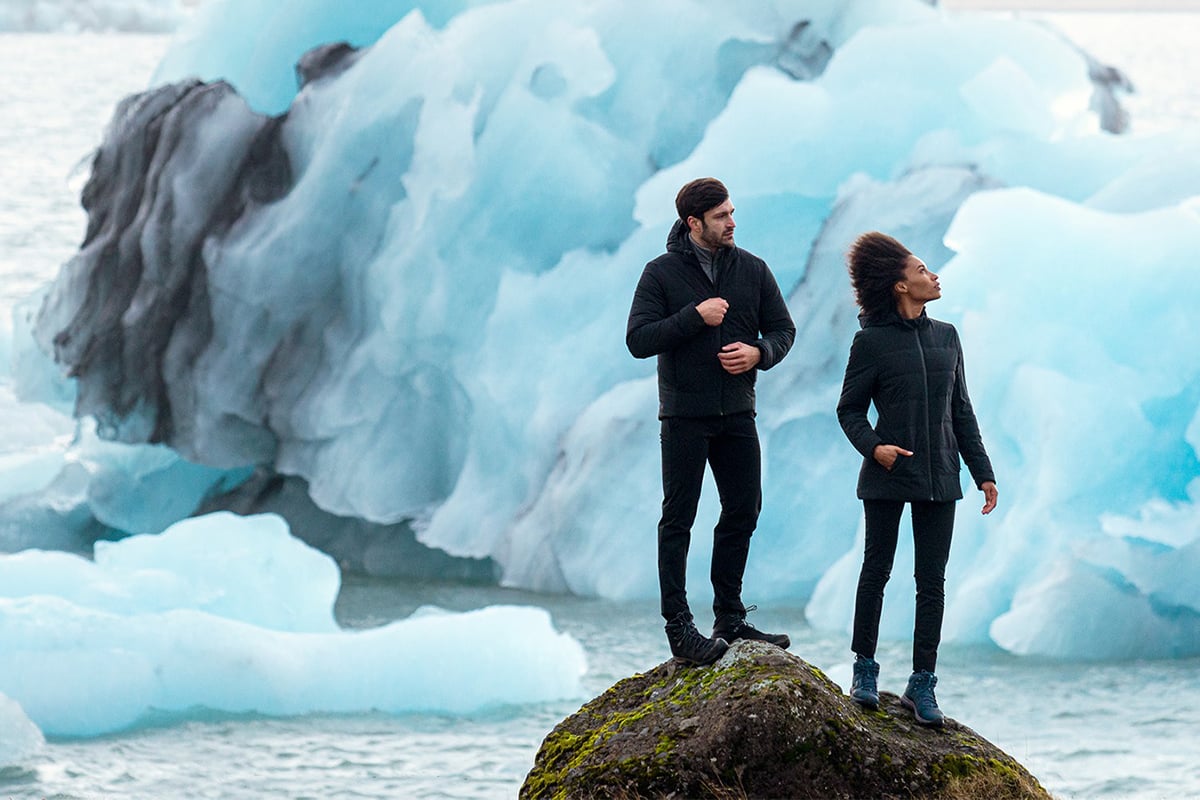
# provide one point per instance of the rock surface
(761, 723)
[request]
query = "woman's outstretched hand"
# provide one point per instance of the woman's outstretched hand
(989, 496)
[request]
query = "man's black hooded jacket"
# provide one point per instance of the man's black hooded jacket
(664, 322)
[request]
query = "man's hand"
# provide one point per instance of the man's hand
(712, 310)
(886, 455)
(989, 496)
(739, 357)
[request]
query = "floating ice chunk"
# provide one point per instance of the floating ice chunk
(33, 443)
(1084, 612)
(20, 739)
(53, 469)
(231, 614)
(144, 488)
(244, 568)
(81, 672)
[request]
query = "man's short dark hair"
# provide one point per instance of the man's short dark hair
(699, 197)
(876, 262)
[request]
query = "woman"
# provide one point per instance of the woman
(911, 368)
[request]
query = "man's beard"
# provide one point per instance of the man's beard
(711, 239)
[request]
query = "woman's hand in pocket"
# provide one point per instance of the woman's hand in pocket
(886, 455)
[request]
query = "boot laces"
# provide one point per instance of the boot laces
(685, 629)
(691, 636)
(739, 620)
(864, 673)
(923, 687)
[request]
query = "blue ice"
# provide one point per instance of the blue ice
(233, 614)
(477, 192)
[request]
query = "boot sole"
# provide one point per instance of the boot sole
(693, 662)
(783, 642)
(688, 662)
(867, 704)
(929, 723)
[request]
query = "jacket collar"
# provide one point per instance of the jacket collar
(892, 317)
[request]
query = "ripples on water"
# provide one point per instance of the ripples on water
(56, 96)
(1087, 731)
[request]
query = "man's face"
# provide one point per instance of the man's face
(716, 229)
(922, 284)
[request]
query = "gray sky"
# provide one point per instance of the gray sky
(1078, 5)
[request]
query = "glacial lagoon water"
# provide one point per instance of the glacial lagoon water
(1119, 730)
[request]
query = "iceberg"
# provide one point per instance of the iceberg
(233, 614)
(245, 568)
(382, 259)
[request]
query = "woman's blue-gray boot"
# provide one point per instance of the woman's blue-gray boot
(864, 688)
(919, 698)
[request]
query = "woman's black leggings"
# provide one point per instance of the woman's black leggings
(933, 527)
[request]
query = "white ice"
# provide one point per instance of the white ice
(232, 614)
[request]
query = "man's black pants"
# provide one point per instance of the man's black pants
(729, 445)
(933, 527)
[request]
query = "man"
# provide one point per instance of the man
(910, 367)
(713, 314)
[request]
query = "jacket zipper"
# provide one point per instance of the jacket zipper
(717, 331)
(717, 293)
(925, 409)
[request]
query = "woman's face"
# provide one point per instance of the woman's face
(921, 284)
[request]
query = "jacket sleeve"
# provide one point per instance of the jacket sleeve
(652, 329)
(857, 388)
(966, 428)
(774, 322)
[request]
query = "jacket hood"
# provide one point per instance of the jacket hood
(679, 241)
(677, 238)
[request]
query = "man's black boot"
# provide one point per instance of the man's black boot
(732, 627)
(688, 644)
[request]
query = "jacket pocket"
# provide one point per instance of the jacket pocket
(901, 466)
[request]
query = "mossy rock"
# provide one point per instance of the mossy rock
(761, 723)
